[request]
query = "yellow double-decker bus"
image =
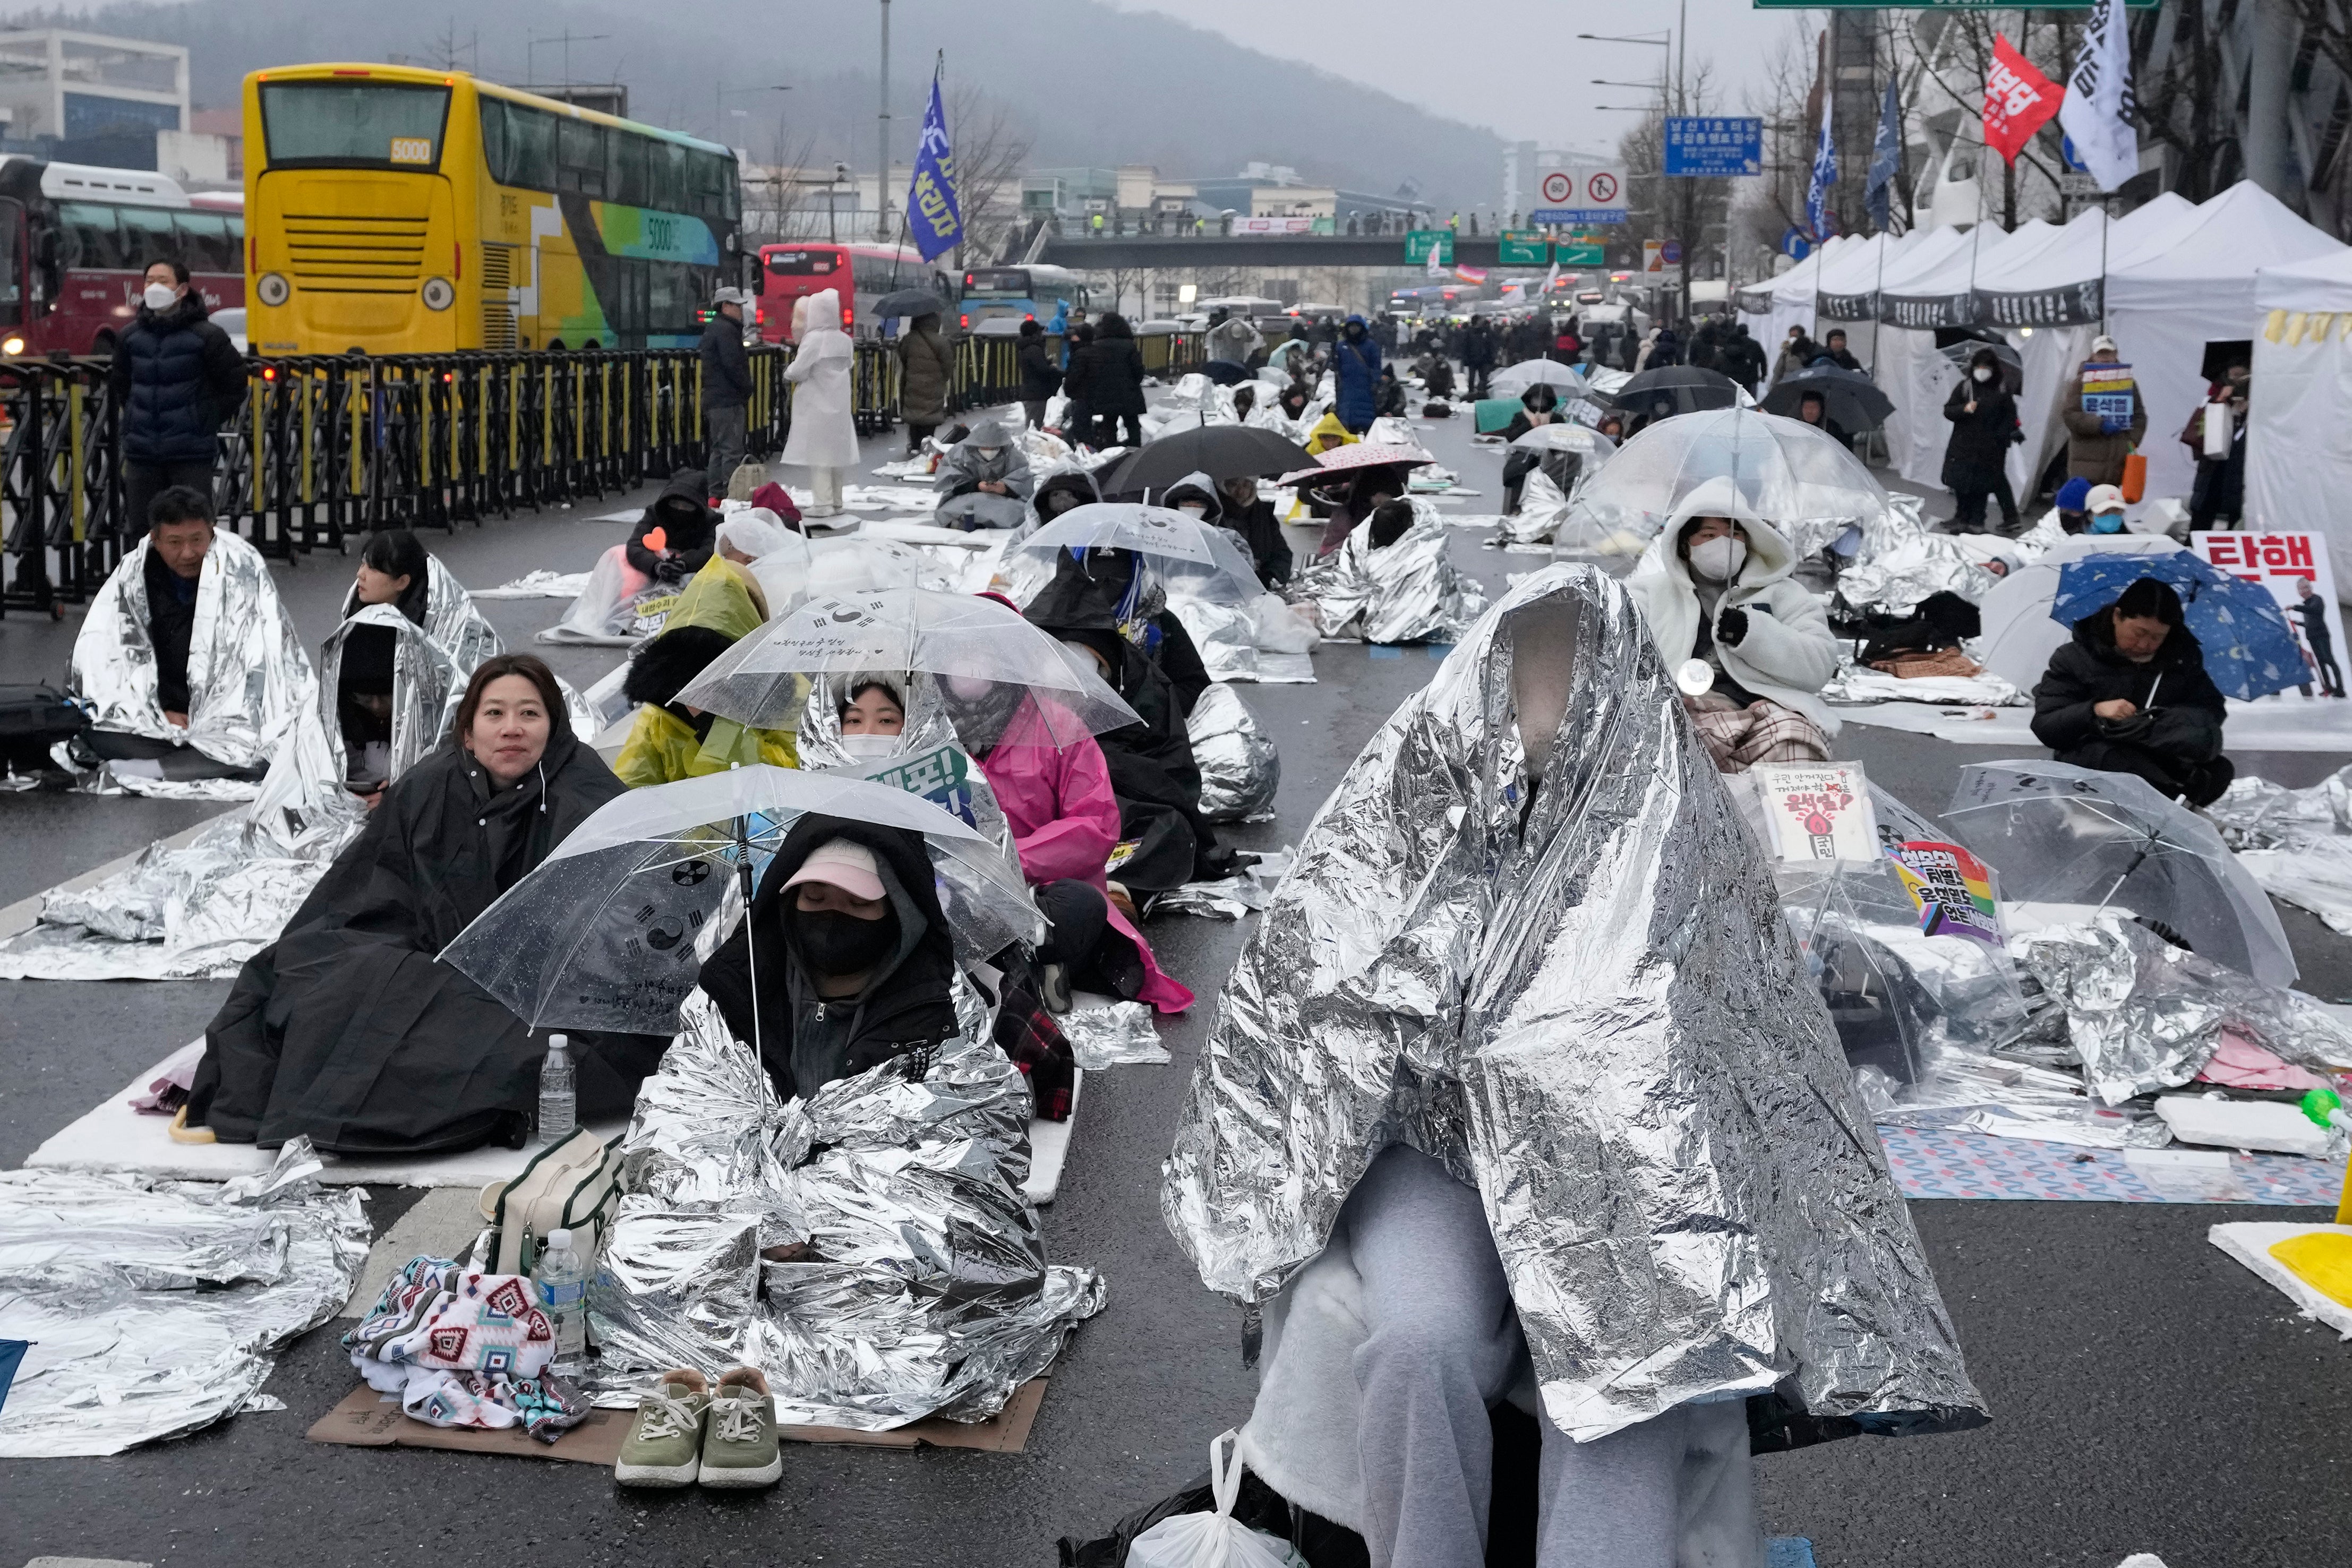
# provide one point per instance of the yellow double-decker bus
(399, 210)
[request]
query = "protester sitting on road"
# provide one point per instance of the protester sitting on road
(1058, 801)
(1390, 400)
(2128, 693)
(850, 952)
(1717, 590)
(1234, 505)
(984, 482)
(1538, 405)
(673, 538)
(393, 570)
(2105, 505)
(1354, 499)
(1814, 410)
(2072, 507)
(310, 1043)
(671, 740)
(187, 661)
(1058, 493)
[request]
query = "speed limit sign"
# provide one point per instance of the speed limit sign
(1557, 188)
(1603, 190)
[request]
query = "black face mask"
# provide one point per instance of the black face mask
(833, 942)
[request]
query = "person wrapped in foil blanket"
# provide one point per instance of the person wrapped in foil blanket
(1391, 582)
(1521, 1087)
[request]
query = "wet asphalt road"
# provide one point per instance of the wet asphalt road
(2148, 1394)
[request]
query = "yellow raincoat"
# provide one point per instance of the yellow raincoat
(662, 748)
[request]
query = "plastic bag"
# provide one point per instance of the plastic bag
(1212, 1540)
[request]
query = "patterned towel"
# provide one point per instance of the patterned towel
(463, 1348)
(1740, 737)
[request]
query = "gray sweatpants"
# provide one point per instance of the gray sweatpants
(1444, 1343)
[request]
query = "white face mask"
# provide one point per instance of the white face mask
(1719, 559)
(869, 747)
(989, 454)
(1982, 374)
(1194, 509)
(160, 296)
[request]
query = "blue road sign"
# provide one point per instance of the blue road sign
(1715, 145)
(1795, 245)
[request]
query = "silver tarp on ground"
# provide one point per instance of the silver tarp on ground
(247, 672)
(156, 1309)
(1591, 1008)
(1901, 560)
(2144, 1015)
(1408, 592)
(1115, 1036)
(200, 910)
(2297, 843)
(918, 1285)
(1240, 768)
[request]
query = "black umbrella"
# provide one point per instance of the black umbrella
(908, 304)
(1691, 388)
(1219, 450)
(1961, 350)
(1849, 397)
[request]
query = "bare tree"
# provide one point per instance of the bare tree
(991, 146)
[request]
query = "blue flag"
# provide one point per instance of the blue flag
(1885, 161)
(1825, 173)
(12, 1355)
(933, 218)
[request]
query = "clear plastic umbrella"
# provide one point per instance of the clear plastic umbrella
(1790, 472)
(1580, 439)
(1514, 379)
(993, 666)
(2062, 834)
(610, 931)
(1193, 559)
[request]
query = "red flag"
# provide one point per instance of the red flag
(2019, 100)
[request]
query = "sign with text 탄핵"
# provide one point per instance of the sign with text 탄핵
(1700, 145)
(2295, 568)
(1593, 194)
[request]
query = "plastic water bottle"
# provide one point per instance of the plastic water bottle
(562, 1279)
(558, 1099)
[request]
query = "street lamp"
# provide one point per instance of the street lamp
(567, 38)
(717, 106)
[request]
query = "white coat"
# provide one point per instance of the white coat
(824, 432)
(1788, 655)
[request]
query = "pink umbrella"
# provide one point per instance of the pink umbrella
(1361, 455)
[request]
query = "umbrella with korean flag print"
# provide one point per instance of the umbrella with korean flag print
(2249, 650)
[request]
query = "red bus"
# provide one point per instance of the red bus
(76, 242)
(863, 273)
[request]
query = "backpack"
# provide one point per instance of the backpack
(571, 1186)
(32, 719)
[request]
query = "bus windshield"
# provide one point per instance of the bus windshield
(815, 263)
(1005, 282)
(354, 125)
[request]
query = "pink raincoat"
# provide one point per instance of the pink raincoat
(1065, 820)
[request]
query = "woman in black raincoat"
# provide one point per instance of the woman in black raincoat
(1984, 423)
(345, 1029)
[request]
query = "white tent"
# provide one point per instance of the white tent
(1791, 294)
(2195, 287)
(1913, 374)
(1853, 273)
(2298, 463)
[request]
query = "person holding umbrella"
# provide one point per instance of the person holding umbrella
(1984, 423)
(2129, 693)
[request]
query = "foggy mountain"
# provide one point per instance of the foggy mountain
(1087, 85)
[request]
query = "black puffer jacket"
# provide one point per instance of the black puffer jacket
(2087, 671)
(726, 366)
(177, 379)
(1981, 441)
(1114, 379)
(688, 525)
(906, 1006)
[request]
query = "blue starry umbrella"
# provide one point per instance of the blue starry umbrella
(2249, 650)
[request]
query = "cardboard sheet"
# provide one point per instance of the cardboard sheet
(366, 1419)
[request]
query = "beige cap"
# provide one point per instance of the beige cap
(842, 863)
(2103, 498)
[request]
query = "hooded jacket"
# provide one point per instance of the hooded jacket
(176, 378)
(824, 432)
(1356, 377)
(2087, 670)
(927, 372)
(1256, 526)
(1787, 654)
(721, 606)
(1076, 483)
(908, 1003)
(963, 468)
(1234, 340)
(683, 513)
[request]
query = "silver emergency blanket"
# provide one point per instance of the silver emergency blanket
(248, 676)
(2297, 843)
(157, 1308)
(1542, 511)
(607, 613)
(1115, 1036)
(1408, 592)
(1589, 1006)
(1859, 684)
(2144, 1015)
(199, 911)
(1263, 640)
(920, 1286)
(1240, 768)
(1899, 561)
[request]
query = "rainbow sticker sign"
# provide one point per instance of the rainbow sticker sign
(1952, 888)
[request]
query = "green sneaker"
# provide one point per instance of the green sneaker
(664, 1445)
(739, 1441)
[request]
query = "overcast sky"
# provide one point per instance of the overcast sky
(1514, 66)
